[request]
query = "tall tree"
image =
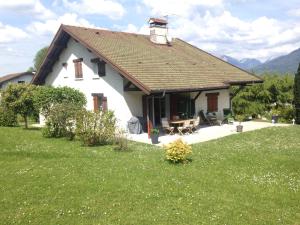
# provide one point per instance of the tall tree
(20, 99)
(39, 58)
(297, 95)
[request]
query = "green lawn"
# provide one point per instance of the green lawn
(249, 178)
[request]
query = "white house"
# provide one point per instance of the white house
(148, 76)
(24, 77)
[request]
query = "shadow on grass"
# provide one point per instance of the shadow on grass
(35, 155)
(180, 163)
(32, 128)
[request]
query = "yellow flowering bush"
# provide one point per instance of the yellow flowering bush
(178, 151)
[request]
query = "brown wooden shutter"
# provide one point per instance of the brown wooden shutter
(101, 68)
(78, 67)
(212, 102)
(104, 104)
(96, 103)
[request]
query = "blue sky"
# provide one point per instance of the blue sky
(238, 28)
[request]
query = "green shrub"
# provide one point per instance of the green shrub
(178, 151)
(121, 141)
(20, 99)
(96, 128)
(61, 121)
(47, 96)
(287, 113)
(7, 117)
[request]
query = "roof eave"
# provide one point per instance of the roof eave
(121, 71)
(245, 82)
(178, 90)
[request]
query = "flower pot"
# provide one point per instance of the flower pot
(239, 128)
(154, 138)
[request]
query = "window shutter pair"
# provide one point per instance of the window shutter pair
(78, 68)
(100, 102)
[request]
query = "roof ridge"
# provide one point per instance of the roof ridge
(105, 30)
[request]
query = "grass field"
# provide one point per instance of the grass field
(249, 178)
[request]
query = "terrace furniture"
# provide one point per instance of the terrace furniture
(209, 119)
(175, 118)
(166, 126)
(185, 128)
(228, 116)
(195, 124)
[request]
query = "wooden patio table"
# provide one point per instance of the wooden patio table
(177, 123)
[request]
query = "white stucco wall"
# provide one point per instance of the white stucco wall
(124, 104)
(223, 101)
(26, 78)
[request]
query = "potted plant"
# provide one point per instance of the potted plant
(239, 127)
(154, 133)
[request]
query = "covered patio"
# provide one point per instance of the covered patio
(204, 133)
(184, 105)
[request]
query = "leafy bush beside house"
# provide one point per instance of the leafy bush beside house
(276, 93)
(96, 128)
(47, 96)
(61, 120)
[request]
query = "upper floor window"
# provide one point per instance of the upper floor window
(100, 66)
(78, 67)
(21, 81)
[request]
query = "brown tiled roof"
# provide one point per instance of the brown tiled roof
(13, 75)
(153, 67)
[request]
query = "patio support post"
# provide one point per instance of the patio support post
(148, 119)
(199, 93)
(153, 111)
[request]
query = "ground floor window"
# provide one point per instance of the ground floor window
(100, 102)
(212, 102)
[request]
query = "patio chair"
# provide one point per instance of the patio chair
(195, 124)
(210, 119)
(228, 116)
(186, 128)
(166, 126)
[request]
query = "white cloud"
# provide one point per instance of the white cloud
(109, 8)
(294, 12)
(30, 7)
(51, 26)
(131, 28)
(179, 7)
(209, 26)
(226, 34)
(10, 34)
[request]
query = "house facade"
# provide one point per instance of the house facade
(147, 76)
(24, 77)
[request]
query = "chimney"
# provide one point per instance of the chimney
(158, 31)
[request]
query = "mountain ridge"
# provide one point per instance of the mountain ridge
(283, 64)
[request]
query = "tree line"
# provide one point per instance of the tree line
(278, 95)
